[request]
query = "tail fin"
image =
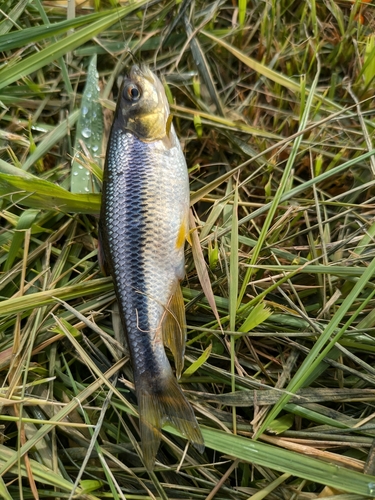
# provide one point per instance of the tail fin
(159, 406)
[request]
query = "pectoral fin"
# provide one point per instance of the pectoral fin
(183, 234)
(174, 329)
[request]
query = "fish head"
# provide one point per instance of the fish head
(142, 106)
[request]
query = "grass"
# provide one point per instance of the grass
(274, 106)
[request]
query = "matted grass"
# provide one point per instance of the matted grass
(273, 102)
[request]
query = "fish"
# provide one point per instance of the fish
(143, 226)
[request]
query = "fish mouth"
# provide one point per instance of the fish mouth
(137, 72)
(148, 117)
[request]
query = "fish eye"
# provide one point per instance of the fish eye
(132, 92)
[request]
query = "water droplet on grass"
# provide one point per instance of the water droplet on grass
(86, 132)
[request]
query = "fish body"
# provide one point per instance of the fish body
(143, 225)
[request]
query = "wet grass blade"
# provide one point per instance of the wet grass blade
(89, 132)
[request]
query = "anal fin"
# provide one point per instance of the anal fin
(174, 328)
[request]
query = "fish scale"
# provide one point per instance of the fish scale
(144, 212)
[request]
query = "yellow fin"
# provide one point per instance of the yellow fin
(183, 234)
(160, 405)
(174, 329)
(168, 125)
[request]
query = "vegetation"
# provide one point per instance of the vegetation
(274, 104)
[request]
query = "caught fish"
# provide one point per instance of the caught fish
(143, 227)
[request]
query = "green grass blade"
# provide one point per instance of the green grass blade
(8, 23)
(323, 345)
(292, 193)
(38, 193)
(289, 462)
(25, 221)
(233, 292)
(203, 66)
(40, 472)
(13, 457)
(89, 131)
(4, 491)
(51, 139)
(23, 37)
(242, 6)
(280, 191)
(256, 317)
(41, 299)
(55, 50)
(273, 75)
